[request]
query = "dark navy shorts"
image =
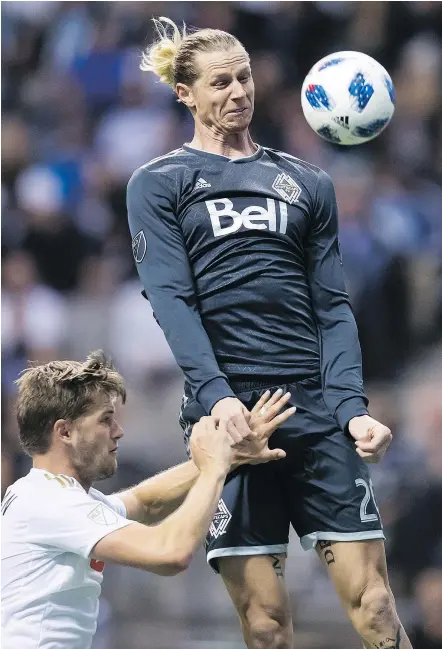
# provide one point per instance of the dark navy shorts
(322, 487)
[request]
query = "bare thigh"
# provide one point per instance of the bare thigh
(354, 566)
(258, 590)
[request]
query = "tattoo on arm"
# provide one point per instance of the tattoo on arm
(277, 565)
(328, 554)
(389, 643)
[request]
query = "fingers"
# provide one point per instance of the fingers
(271, 411)
(280, 419)
(259, 404)
(242, 426)
(373, 450)
(234, 433)
(376, 441)
(371, 458)
(269, 455)
(265, 402)
(276, 396)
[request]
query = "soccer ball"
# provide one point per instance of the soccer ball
(348, 98)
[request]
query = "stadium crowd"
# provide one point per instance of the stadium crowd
(79, 117)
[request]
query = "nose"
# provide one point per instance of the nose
(238, 91)
(118, 432)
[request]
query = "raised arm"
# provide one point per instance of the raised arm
(163, 266)
(341, 364)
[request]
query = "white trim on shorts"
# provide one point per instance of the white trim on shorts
(245, 550)
(309, 541)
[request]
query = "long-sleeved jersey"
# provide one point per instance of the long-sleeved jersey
(240, 261)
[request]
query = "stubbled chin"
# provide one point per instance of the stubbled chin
(109, 470)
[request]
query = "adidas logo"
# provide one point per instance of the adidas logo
(202, 183)
(342, 121)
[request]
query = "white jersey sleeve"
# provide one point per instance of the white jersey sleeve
(73, 520)
(113, 501)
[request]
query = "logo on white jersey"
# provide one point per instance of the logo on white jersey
(220, 520)
(253, 217)
(287, 188)
(200, 183)
(103, 515)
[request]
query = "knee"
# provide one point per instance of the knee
(268, 628)
(374, 609)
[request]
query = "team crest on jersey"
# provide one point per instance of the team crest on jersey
(287, 188)
(220, 520)
(139, 246)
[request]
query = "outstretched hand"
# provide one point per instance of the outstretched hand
(265, 418)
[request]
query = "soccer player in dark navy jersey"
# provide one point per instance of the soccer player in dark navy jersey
(237, 249)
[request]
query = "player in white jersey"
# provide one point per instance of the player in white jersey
(58, 531)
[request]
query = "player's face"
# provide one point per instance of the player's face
(222, 97)
(95, 441)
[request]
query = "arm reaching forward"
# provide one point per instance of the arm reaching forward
(156, 498)
(168, 548)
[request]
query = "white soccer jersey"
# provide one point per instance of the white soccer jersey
(50, 583)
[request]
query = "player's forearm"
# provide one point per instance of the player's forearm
(162, 494)
(342, 364)
(187, 527)
(167, 548)
(159, 496)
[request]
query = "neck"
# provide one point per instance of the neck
(233, 145)
(53, 464)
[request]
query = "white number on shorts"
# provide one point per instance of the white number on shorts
(365, 518)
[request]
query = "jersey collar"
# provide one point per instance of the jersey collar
(207, 154)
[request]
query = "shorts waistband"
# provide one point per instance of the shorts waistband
(265, 383)
(271, 382)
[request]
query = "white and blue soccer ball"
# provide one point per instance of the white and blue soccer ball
(348, 98)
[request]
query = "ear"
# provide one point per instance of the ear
(185, 95)
(62, 430)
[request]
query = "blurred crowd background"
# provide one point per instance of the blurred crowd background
(78, 118)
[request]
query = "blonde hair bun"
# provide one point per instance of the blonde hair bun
(172, 56)
(159, 58)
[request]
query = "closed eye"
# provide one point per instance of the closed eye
(221, 84)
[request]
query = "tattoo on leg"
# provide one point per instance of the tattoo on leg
(329, 557)
(277, 567)
(389, 643)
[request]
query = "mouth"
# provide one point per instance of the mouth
(238, 111)
(114, 451)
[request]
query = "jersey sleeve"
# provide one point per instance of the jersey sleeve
(71, 521)
(341, 362)
(164, 269)
(113, 501)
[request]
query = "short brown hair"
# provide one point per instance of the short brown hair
(61, 390)
(172, 56)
